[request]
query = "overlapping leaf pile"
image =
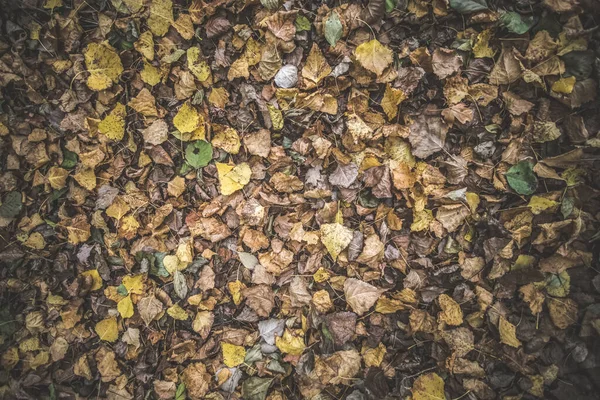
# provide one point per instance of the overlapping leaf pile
(265, 200)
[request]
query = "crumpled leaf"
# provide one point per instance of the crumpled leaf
(335, 237)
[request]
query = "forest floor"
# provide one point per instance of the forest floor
(235, 199)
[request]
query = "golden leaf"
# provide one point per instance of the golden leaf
(145, 45)
(508, 333)
(315, 68)
(373, 357)
(96, 279)
(178, 313)
(103, 64)
(451, 312)
(125, 307)
(199, 68)
(233, 355)
(107, 329)
(564, 85)
(481, 48)
(226, 138)
(373, 56)
(428, 387)
(150, 74)
(390, 101)
(292, 342)
(233, 178)
(187, 119)
(335, 237)
(276, 117)
(134, 284)
(161, 16)
(113, 125)
(57, 177)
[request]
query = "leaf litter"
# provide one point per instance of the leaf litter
(286, 200)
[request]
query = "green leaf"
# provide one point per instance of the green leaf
(69, 159)
(122, 290)
(468, 6)
(256, 388)
(11, 206)
(521, 178)
(180, 393)
(567, 205)
(516, 23)
(333, 28)
(558, 285)
(302, 23)
(390, 5)
(199, 153)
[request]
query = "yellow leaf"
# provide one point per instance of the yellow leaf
(373, 56)
(86, 178)
(233, 355)
(35, 241)
(187, 119)
(184, 26)
(226, 138)
(96, 279)
(276, 117)
(103, 64)
(134, 284)
(321, 275)
(51, 4)
(235, 288)
(451, 312)
(118, 208)
(199, 68)
(145, 45)
(315, 68)
(113, 125)
(178, 313)
(539, 204)
(421, 220)
(481, 48)
(161, 16)
(564, 85)
(125, 307)
(57, 177)
(233, 178)
(218, 97)
(172, 264)
(335, 237)
(292, 342)
(128, 227)
(107, 329)
(391, 99)
(150, 74)
(373, 356)
(428, 387)
(508, 333)
(389, 306)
